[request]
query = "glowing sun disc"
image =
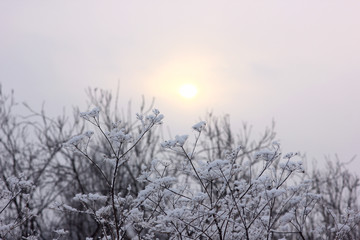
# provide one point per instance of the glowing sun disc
(188, 91)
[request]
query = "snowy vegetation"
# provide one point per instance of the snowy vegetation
(101, 175)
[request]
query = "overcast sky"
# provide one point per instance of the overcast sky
(296, 62)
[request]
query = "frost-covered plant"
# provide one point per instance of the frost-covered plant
(338, 216)
(29, 144)
(110, 211)
(118, 181)
(187, 195)
(11, 191)
(216, 203)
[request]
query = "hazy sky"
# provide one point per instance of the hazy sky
(297, 62)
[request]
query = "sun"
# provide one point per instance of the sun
(188, 91)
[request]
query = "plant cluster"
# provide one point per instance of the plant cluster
(119, 181)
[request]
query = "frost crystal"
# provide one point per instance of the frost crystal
(199, 126)
(74, 141)
(168, 144)
(199, 197)
(77, 141)
(178, 142)
(88, 134)
(156, 111)
(91, 114)
(287, 217)
(275, 192)
(119, 135)
(181, 139)
(291, 154)
(61, 232)
(292, 166)
(87, 198)
(314, 196)
(265, 154)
